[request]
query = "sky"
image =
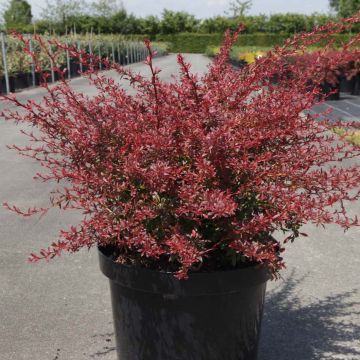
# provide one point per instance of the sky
(209, 8)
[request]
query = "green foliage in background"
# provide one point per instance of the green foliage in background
(349, 135)
(110, 17)
(100, 45)
(345, 8)
(17, 14)
(198, 43)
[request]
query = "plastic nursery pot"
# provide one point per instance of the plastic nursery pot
(237, 63)
(347, 86)
(3, 84)
(328, 89)
(12, 83)
(21, 80)
(210, 316)
(356, 88)
(39, 79)
(74, 69)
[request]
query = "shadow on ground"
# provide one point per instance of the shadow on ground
(107, 341)
(322, 330)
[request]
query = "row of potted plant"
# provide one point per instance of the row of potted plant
(19, 64)
(341, 71)
(344, 76)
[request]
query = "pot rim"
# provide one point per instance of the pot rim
(198, 284)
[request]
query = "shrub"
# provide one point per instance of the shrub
(18, 61)
(334, 64)
(197, 174)
(239, 53)
(352, 136)
(197, 42)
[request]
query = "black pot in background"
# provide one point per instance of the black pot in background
(328, 88)
(2, 85)
(117, 54)
(22, 80)
(122, 59)
(11, 83)
(39, 79)
(347, 86)
(237, 63)
(210, 316)
(356, 85)
(74, 69)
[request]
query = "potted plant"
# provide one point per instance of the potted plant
(348, 77)
(183, 186)
(334, 66)
(354, 77)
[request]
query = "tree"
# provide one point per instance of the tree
(348, 7)
(150, 25)
(239, 8)
(58, 11)
(107, 8)
(345, 8)
(334, 4)
(173, 22)
(17, 13)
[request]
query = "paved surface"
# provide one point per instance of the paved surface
(61, 310)
(347, 108)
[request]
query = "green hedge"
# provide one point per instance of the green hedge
(190, 42)
(197, 43)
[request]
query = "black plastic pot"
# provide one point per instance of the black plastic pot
(347, 86)
(22, 80)
(74, 69)
(2, 85)
(39, 79)
(331, 91)
(237, 63)
(210, 316)
(356, 88)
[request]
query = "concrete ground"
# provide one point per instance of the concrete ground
(61, 310)
(347, 108)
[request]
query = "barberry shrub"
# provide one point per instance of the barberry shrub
(197, 174)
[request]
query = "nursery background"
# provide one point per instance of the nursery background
(114, 29)
(61, 310)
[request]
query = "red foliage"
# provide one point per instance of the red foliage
(198, 172)
(332, 64)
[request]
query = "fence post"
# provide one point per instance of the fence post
(32, 62)
(68, 60)
(127, 54)
(51, 65)
(5, 63)
(99, 52)
(80, 58)
(119, 54)
(113, 52)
